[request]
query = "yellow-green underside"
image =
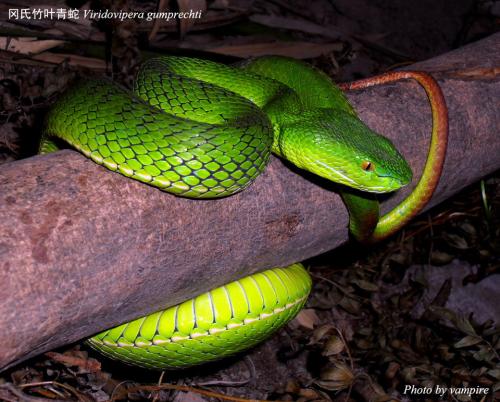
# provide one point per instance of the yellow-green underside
(213, 325)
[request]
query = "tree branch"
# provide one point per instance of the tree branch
(84, 249)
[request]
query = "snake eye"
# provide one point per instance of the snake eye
(368, 166)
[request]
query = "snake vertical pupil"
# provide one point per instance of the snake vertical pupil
(368, 166)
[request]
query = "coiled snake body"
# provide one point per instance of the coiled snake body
(200, 129)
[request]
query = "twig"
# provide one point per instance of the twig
(24, 397)
(251, 369)
(351, 361)
(162, 6)
(160, 380)
(186, 388)
(112, 397)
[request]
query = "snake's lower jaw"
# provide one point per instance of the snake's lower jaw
(362, 181)
(390, 185)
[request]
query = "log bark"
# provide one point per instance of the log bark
(83, 249)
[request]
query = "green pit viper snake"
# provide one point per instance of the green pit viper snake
(200, 129)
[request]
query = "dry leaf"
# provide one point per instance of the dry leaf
(72, 59)
(392, 370)
(321, 332)
(455, 241)
(495, 373)
(298, 50)
(162, 7)
(366, 285)
(478, 73)
(441, 258)
(186, 6)
(333, 346)
(27, 45)
(295, 24)
(337, 377)
(466, 341)
(307, 318)
(80, 360)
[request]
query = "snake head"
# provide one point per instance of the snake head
(341, 148)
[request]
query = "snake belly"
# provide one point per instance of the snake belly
(215, 324)
(200, 129)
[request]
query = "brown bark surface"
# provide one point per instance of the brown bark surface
(83, 248)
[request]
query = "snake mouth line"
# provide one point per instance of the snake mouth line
(348, 181)
(336, 172)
